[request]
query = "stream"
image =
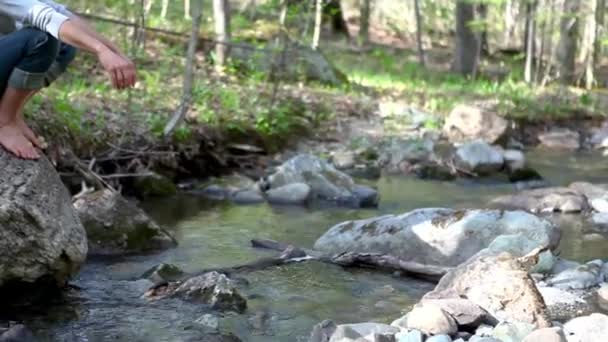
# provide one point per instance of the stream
(285, 302)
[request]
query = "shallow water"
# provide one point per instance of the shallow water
(284, 302)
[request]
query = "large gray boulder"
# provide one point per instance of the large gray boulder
(41, 236)
(444, 237)
(116, 226)
(467, 123)
(323, 179)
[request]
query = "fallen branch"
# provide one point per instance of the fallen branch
(367, 260)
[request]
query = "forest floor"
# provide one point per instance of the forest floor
(235, 119)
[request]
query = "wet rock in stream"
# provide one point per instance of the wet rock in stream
(116, 226)
(213, 289)
(442, 237)
(41, 238)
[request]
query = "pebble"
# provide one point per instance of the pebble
(431, 320)
(439, 338)
(546, 335)
(411, 336)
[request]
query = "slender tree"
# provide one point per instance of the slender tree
(421, 56)
(197, 14)
(221, 17)
(318, 24)
(530, 44)
(568, 45)
(467, 42)
(364, 14)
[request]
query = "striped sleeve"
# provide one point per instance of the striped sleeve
(34, 13)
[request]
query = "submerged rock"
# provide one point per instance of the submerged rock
(442, 237)
(115, 225)
(565, 200)
(562, 139)
(213, 289)
(163, 273)
(500, 285)
(41, 237)
(18, 333)
(467, 123)
(325, 182)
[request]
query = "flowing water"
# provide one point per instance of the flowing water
(284, 302)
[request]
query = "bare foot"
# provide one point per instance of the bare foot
(13, 139)
(29, 134)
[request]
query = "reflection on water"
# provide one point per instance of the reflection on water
(284, 302)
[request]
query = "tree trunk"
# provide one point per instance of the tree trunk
(530, 40)
(163, 12)
(318, 24)
(568, 45)
(541, 50)
(332, 10)
(419, 33)
(482, 9)
(599, 32)
(221, 17)
(364, 13)
(197, 14)
(467, 42)
(187, 9)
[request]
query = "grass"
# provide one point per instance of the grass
(436, 90)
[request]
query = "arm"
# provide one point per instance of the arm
(44, 16)
(120, 69)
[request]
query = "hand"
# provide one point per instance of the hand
(120, 69)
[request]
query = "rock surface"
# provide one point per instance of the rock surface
(213, 289)
(554, 334)
(480, 158)
(41, 237)
(562, 139)
(442, 237)
(499, 284)
(565, 200)
(325, 182)
(587, 328)
(467, 123)
(295, 193)
(431, 320)
(115, 225)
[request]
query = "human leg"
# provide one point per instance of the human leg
(25, 57)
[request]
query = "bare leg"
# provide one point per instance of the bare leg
(11, 132)
(26, 130)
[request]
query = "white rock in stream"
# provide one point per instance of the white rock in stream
(599, 204)
(444, 237)
(587, 328)
(479, 157)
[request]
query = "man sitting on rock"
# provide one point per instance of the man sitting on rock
(38, 44)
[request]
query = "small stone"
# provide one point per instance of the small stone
(439, 338)
(514, 159)
(208, 321)
(479, 157)
(410, 336)
(484, 330)
(476, 338)
(355, 331)
(431, 320)
(602, 294)
(343, 160)
(163, 273)
(599, 204)
(247, 196)
(546, 335)
(512, 331)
